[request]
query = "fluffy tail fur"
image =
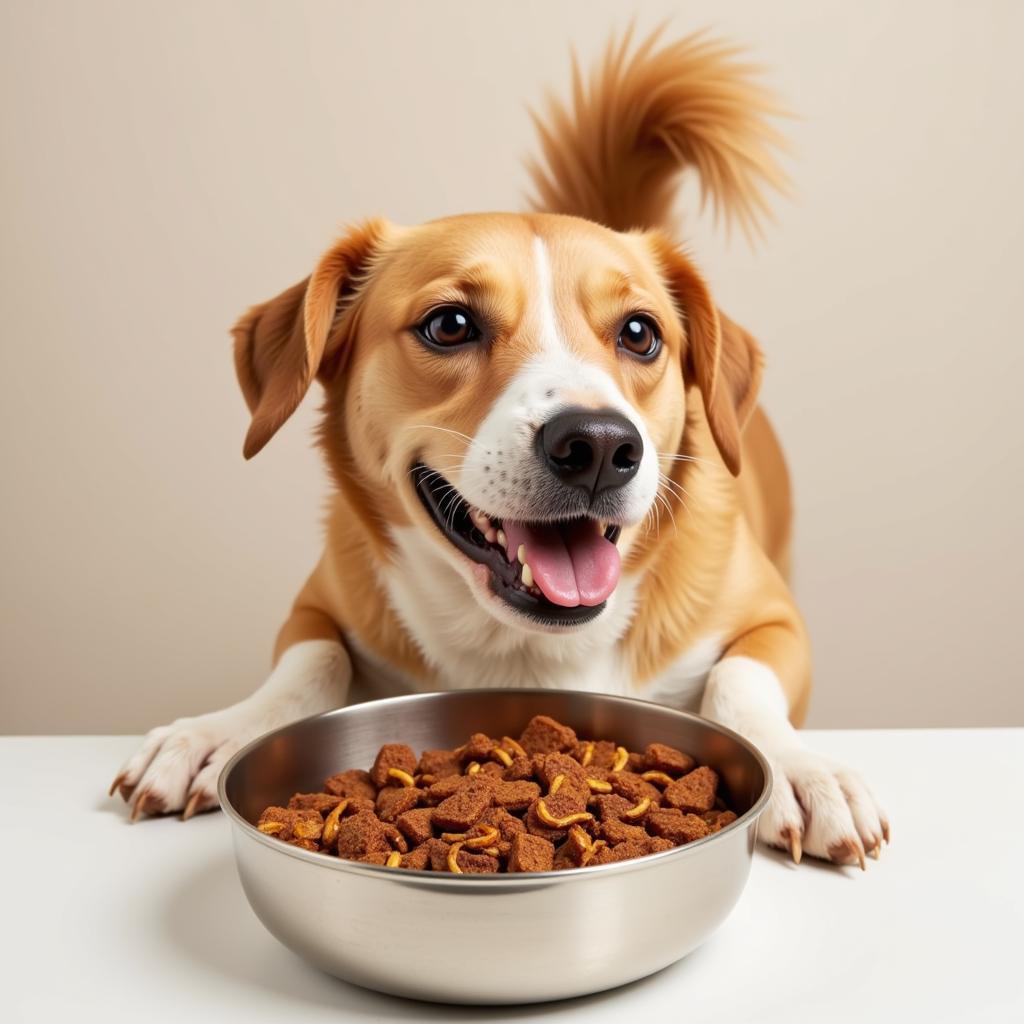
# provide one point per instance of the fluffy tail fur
(616, 155)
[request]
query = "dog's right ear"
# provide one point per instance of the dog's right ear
(280, 345)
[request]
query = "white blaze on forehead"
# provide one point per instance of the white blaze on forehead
(550, 337)
(502, 473)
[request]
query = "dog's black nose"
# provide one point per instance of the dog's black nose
(592, 450)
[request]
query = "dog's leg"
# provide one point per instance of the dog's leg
(818, 806)
(176, 767)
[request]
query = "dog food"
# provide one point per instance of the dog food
(545, 801)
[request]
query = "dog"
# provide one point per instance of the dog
(550, 465)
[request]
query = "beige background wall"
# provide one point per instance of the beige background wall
(165, 165)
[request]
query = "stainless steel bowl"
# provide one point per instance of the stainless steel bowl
(478, 938)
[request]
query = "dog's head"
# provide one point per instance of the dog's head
(509, 386)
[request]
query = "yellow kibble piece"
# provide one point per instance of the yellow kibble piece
(453, 859)
(485, 839)
(640, 810)
(331, 823)
(403, 777)
(570, 819)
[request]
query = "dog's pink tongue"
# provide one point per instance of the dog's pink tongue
(571, 565)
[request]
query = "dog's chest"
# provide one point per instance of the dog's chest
(466, 647)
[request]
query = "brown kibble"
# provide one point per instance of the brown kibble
(530, 853)
(615, 831)
(392, 755)
(543, 735)
(354, 782)
(417, 859)
(323, 803)
(460, 811)
(631, 849)
(602, 754)
(662, 758)
(416, 825)
(520, 770)
(693, 792)
(437, 850)
(562, 807)
(515, 796)
(393, 801)
(439, 763)
(508, 825)
(444, 788)
(477, 862)
(289, 823)
(380, 859)
(612, 807)
(395, 838)
(548, 801)
(676, 827)
(634, 788)
(717, 820)
(361, 835)
(477, 748)
(549, 767)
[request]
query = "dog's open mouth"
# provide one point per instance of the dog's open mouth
(558, 573)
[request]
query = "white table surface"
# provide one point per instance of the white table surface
(106, 921)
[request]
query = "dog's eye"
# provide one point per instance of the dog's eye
(448, 326)
(640, 337)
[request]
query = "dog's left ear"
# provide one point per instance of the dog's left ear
(722, 358)
(281, 345)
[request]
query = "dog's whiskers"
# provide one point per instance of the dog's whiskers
(688, 458)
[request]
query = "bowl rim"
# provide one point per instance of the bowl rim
(512, 880)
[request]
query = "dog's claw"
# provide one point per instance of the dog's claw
(876, 850)
(116, 784)
(190, 807)
(139, 807)
(885, 830)
(795, 849)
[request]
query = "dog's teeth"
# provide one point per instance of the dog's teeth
(490, 536)
(527, 573)
(521, 554)
(502, 539)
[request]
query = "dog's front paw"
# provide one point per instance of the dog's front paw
(177, 766)
(822, 808)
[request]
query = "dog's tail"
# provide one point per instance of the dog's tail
(617, 153)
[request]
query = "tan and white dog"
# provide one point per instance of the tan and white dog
(551, 467)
